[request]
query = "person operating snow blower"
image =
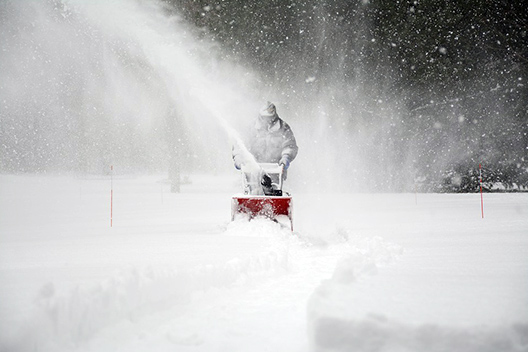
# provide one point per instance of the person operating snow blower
(272, 142)
(263, 164)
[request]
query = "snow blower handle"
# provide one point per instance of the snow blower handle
(281, 179)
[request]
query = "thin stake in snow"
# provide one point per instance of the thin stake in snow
(111, 193)
(481, 197)
(415, 194)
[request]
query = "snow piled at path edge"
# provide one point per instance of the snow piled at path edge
(330, 328)
(65, 322)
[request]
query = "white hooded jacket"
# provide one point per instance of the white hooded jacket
(269, 142)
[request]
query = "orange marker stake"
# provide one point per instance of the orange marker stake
(481, 197)
(111, 193)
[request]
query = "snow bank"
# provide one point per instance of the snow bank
(334, 325)
(377, 333)
(65, 322)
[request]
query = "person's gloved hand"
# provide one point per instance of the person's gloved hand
(238, 160)
(285, 160)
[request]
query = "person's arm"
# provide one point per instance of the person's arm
(238, 158)
(289, 147)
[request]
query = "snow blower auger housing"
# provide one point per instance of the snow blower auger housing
(263, 194)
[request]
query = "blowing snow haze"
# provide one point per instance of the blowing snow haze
(89, 84)
(382, 95)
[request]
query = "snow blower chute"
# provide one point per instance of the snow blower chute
(263, 195)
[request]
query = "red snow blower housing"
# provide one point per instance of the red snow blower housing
(263, 194)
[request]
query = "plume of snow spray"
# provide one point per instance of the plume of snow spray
(121, 67)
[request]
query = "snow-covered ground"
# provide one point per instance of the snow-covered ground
(362, 272)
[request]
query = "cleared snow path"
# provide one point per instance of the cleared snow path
(262, 309)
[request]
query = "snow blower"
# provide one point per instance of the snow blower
(263, 195)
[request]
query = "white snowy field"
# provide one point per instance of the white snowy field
(362, 272)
